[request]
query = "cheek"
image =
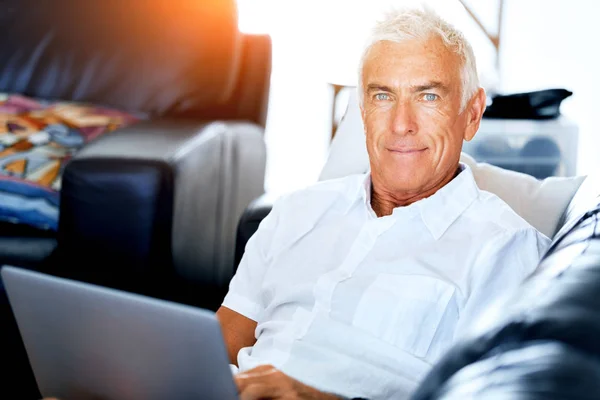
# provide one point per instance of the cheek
(440, 129)
(376, 125)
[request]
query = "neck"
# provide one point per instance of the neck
(383, 202)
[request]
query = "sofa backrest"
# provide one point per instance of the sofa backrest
(584, 199)
(158, 57)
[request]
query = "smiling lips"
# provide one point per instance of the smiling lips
(408, 151)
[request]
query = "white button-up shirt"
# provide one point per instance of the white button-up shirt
(358, 305)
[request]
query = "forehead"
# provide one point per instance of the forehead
(412, 60)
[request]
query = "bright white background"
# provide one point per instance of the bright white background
(545, 44)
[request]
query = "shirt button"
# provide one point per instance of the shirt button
(345, 274)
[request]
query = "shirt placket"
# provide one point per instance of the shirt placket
(327, 283)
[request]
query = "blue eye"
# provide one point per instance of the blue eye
(430, 97)
(381, 96)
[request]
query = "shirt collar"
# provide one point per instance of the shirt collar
(365, 189)
(438, 211)
(361, 193)
(441, 209)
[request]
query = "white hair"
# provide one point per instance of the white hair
(414, 23)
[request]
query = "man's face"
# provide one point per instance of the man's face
(412, 114)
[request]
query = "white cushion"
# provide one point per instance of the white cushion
(539, 202)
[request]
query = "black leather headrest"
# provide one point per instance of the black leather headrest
(154, 56)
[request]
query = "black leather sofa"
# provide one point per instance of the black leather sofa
(542, 342)
(153, 207)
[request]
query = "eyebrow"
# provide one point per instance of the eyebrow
(429, 86)
(415, 89)
(375, 86)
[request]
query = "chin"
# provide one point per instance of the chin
(405, 179)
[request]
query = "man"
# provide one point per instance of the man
(355, 287)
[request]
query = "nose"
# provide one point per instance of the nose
(404, 121)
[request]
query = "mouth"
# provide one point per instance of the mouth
(408, 151)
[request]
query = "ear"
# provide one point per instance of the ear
(475, 109)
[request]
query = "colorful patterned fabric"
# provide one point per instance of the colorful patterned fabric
(37, 139)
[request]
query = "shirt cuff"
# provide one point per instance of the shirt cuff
(242, 305)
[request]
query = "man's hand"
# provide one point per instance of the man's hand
(267, 383)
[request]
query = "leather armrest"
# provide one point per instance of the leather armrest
(163, 197)
(249, 222)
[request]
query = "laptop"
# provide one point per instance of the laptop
(89, 342)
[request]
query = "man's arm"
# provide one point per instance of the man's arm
(238, 331)
(500, 269)
(242, 306)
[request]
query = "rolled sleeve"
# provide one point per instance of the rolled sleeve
(245, 290)
(242, 305)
